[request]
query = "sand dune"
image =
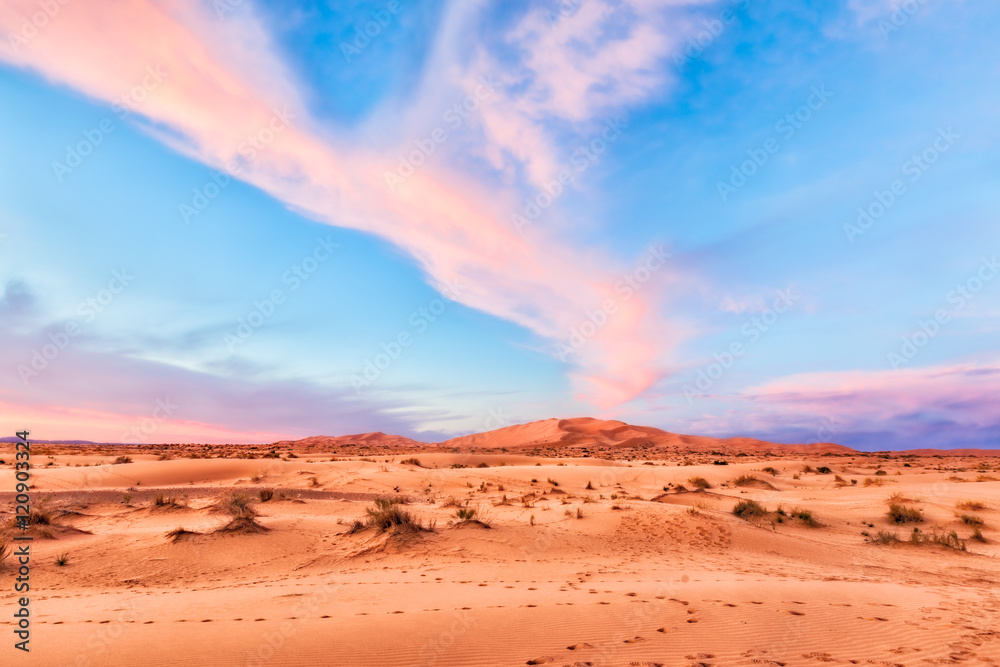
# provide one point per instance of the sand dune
(577, 559)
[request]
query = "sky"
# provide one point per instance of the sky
(245, 221)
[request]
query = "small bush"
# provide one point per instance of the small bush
(243, 515)
(971, 520)
(412, 461)
(900, 514)
(123, 459)
(265, 494)
(162, 500)
(745, 480)
(772, 470)
(579, 512)
(388, 516)
(62, 559)
(720, 463)
(881, 472)
(824, 470)
(972, 505)
(552, 482)
(870, 481)
(699, 482)
(805, 516)
(977, 535)
(881, 537)
(749, 509)
(590, 486)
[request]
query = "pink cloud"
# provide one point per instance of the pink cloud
(214, 97)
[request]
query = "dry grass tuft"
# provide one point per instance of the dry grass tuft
(749, 509)
(244, 516)
(699, 482)
(123, 459)
(388, 516)
(900, 514)
(971, 505)
(162, 500)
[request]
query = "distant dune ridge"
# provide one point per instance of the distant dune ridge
(579, 433)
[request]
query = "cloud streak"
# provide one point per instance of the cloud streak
(216, 99)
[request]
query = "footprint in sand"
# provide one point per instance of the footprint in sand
(540, 661)
(635, 640)
(575, 647)
(794, 613)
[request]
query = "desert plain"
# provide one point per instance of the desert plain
(561, 542)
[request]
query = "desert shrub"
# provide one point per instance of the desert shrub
(579, 512)
(699, 482)
(412, 461)
(387, 515)
(265, 494)
(123, 459)
(466, 513)
(126, 499)
(451, 502)
(972, 505)
(871, 481)
(805, 516)
(772, 470)
(824, 470)
(243, 517)
(807, 468)
(590, 486)
(881, 472)
(900, 514)
(162, 500)
(62, 559)
(749, 509)
(977, 535)
(720, 463)
(552, 482)
(949, 539)
(483, 464)
(971, 520)
(882, 537)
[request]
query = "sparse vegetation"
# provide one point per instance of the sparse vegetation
(590, 486)
(749, 509)
(805, 516)
(412, 461)
(62, 559)
(900, 514)
(823, 470)
(265, 494)
(771, 470)
(162, 500)
(123, 459)
(387, 515)
(977, 535)
(699, 482)
(971, 520)
(971, 505)
(243, 515)
(881, 537)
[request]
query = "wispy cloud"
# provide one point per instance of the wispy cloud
(217, 99)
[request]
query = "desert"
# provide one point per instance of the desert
(562, 542)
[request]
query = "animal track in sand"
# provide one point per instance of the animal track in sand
(574, 647)
(634, 640)
(540, 661)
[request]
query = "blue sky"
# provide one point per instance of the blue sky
(880, 334)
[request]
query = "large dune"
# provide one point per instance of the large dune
(585, 432)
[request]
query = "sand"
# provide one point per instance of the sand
(647, 575)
